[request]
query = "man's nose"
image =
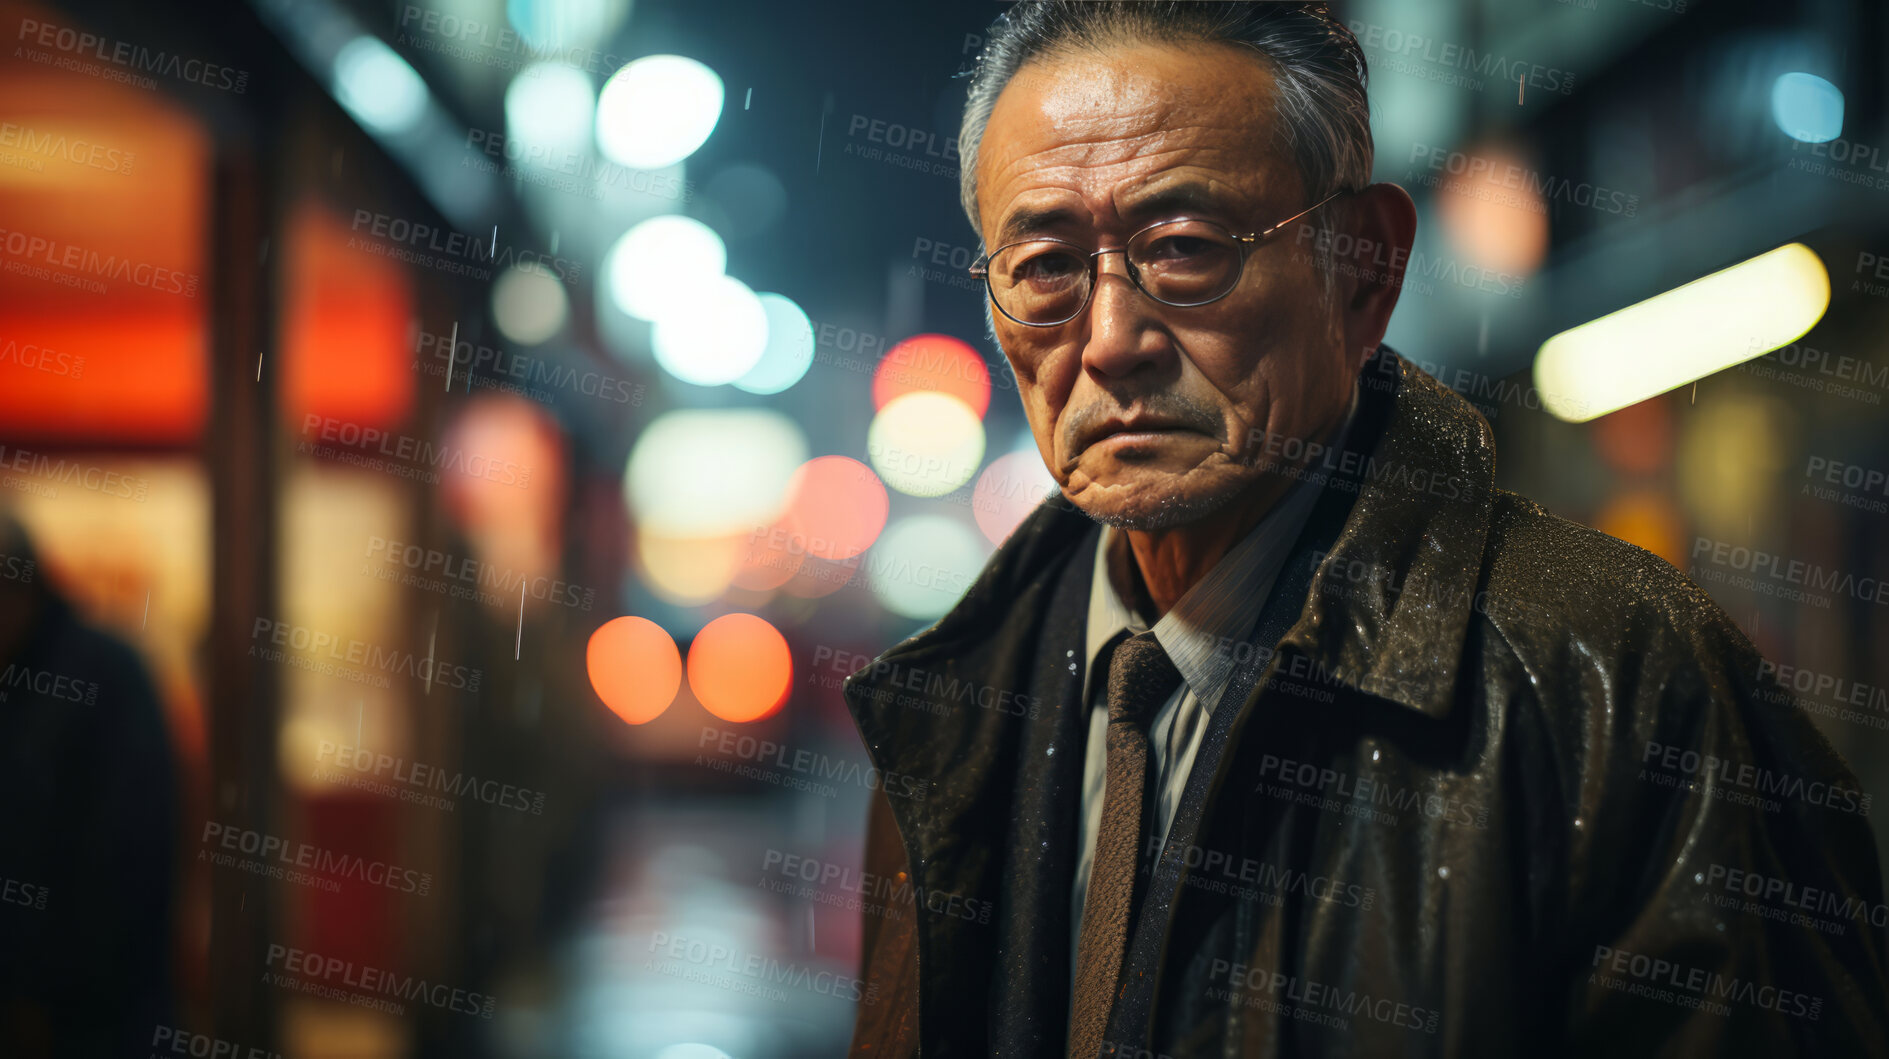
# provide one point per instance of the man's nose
(1123, 332)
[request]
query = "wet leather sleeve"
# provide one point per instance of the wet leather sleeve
(1741, 911)
(886, 1024)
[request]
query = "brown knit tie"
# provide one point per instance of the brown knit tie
(1140, 679)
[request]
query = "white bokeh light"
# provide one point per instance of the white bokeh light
(712, 472)
(923, 564)
(713, 333)
(789, 348)
(925, 443)
(378, 87)
(659, 261)
(657, 110)
(551, 106)
(529, 304)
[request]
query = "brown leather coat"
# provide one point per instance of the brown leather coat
(1507, 785)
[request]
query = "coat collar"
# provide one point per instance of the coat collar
(1389, 606)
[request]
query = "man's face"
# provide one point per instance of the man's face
(1151, 416)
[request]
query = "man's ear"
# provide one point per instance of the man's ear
(1383, 220)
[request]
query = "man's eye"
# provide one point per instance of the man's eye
(1048, 267)
(1182, 248)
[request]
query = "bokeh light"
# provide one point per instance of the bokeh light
(926, 443)
(713, 472)
(563, 25)
(1493, 210)
(715, 332)
(835, 508)
(740, 668)
(1648, 518)
(932, 362)
(552, 106)
(634, 667)
(923, 564)
(1008, 490)
(378, 87)
(529, 304)
(789, 351)
(656, 263)
(1807, 107)
(687, 571)
(657, 110)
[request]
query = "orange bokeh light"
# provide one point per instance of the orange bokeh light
(634, 667)
(932, 362)
(740, 668)
(836, 507)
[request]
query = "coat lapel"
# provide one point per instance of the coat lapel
(1030, 991)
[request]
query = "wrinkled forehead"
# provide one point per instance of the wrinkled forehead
(1101, 123)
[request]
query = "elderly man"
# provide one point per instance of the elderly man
(1283, 731)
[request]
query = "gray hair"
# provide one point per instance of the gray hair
(1317, 67)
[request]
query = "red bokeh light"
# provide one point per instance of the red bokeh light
(740, 668)
(932, 362)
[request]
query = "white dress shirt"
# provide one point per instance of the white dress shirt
(1201, 635)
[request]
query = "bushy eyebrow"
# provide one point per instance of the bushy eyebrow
(1189, 197)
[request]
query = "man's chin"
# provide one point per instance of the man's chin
(1153, 510)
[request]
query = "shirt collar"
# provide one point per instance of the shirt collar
(1203, 628)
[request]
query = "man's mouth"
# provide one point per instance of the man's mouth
(1136, 429)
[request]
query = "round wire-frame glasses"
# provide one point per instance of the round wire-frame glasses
(1156, 255)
